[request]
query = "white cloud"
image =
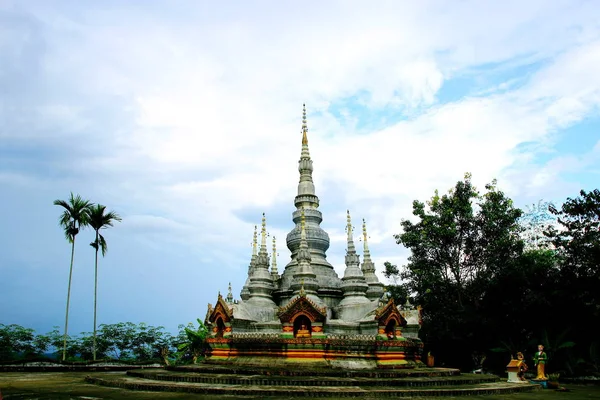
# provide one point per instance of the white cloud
(194, 112)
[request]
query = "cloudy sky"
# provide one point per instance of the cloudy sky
(185, 117)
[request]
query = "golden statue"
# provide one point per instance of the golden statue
(303, 331)
(539, 360)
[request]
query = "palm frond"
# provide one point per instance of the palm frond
(103, 245)
(74, 216)
(100, 219)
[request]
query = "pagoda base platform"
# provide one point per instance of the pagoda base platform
(310, 382)
(354, 352)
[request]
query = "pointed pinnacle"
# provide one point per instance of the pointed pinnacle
(274, 263)
(263, 239)
(254, 241)
(304, 125)
(349, 224)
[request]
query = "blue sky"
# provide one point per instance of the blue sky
(184, 117)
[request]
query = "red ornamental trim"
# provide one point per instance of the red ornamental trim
(302, 306)
(221, 310)
(388, 312)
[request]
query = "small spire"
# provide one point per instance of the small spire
(254, 242)
(263, 239)
(229, 294)
(304, 125)
(349, 228)
(366, 246)
(274, 263)
(367, 253)
(305, 154)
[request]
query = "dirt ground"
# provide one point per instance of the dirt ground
(71, 386)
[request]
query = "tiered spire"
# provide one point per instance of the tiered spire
(245, 293)
(354, 285)
(304, 275)
(317, 239)
(304, 131)
(368, 268)
(306, 186)
(274, 273)
(229, 294)
(261, 283)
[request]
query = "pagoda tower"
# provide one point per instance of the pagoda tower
(316, 238)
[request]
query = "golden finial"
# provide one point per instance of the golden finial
(304, 125)
(365, 230)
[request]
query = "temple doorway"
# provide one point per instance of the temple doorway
(302, 327)
(390, 329)
(220, 327)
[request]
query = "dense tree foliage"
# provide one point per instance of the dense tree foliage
(494, 280)
(123, 341)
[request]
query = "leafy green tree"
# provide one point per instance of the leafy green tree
(460, 243)
(99, 219)
(192, 341)
(578, 239)
(17, 341)
(56, 340)
(152, 342)
(74, 217)
(577, 243)
(119, 338)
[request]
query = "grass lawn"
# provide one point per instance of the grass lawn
(70, 386)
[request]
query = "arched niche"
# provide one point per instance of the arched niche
(302, 326)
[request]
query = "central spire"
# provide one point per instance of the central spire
(306, 187)
(317, 240)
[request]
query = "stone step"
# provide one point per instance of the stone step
(128, 382)
(299, 370)
(276, 380)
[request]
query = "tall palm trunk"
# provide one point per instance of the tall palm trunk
(64, 354)
(95, 294)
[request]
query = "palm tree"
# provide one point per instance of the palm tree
(74, 217)
(99, 220)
